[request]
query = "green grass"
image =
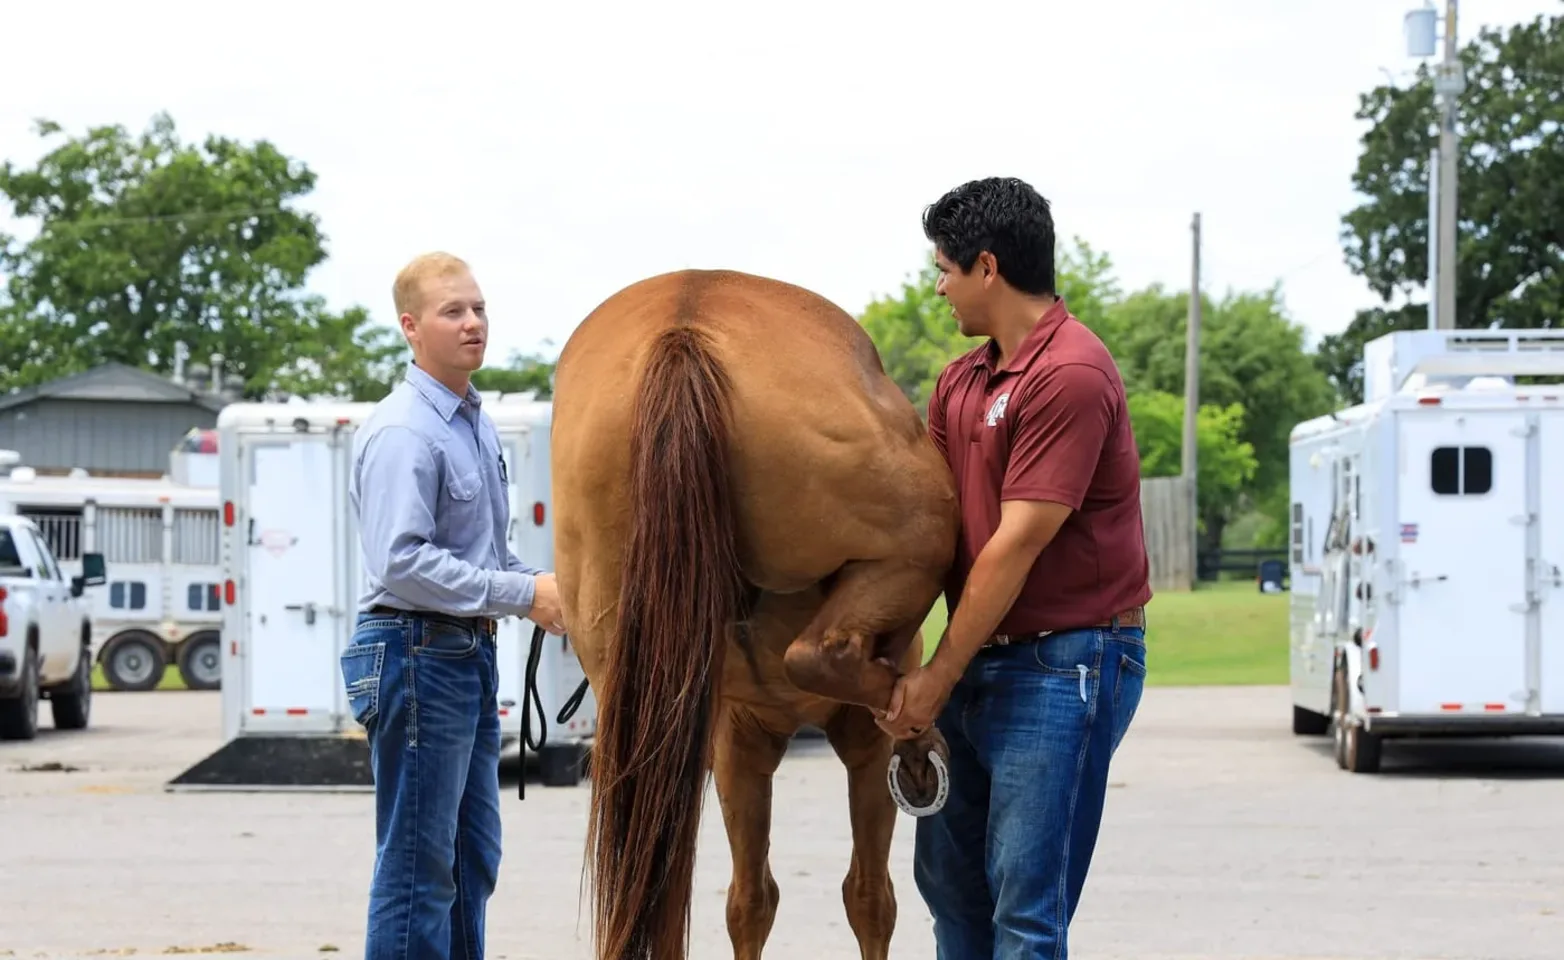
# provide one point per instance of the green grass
(171, 680)
(1221, 634)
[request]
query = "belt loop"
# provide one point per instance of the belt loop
(1113, 623)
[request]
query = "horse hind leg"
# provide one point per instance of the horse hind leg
(867, 892)
(745, 758)
(869, 621)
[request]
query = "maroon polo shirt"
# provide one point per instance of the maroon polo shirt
(1052, 425)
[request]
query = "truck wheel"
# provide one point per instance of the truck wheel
(133, 661)
(201, 662)
(19, 717)
(72, 703)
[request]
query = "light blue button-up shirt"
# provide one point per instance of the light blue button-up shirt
(431, 494)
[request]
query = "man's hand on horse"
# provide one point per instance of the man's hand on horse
(546, 610)
(916, 701)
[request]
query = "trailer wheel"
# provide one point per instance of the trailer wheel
(201, 662)
(133, 662)
(1361, 750)
(1338, 713)
(1357, 750)
(560, 765)
(1307, 723)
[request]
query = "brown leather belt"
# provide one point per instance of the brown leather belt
(483, 626)
(1133, 617)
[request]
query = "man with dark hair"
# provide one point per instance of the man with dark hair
(1041, 668)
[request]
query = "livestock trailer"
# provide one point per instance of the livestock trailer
(1427, 540)
(292, 579)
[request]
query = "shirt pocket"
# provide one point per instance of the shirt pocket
(461, 507)
(462, 485)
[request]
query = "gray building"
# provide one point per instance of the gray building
(114, 420)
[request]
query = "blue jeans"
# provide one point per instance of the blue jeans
(425, 690)
(1031, 728)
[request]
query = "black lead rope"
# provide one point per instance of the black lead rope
(531, 696)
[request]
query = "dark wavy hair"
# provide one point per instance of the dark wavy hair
(1004, 216)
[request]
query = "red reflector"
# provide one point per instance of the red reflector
(1428, 401)
(5, 621)
(505, 711)
(343, 421)
(228, 592)
(1373, 658)
(1494, 707)
(1375, 709)
(537, 514)
(233, 648)
(296, 711)
(1449, 706)
(228, 513)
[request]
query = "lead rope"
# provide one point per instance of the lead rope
(530, 696)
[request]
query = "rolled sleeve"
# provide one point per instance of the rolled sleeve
(398, 482)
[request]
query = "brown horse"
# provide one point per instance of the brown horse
(750, 525)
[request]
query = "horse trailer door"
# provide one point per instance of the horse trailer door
(1462, 574)
(1550, 559)
(295, 504)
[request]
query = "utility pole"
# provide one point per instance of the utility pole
(1192, 397)
(1448, 83)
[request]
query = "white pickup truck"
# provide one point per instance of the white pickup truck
(45, 633)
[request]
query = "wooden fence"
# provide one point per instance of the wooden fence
(1168, 517)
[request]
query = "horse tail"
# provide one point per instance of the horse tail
(681, 589)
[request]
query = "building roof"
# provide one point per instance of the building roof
(113, 381)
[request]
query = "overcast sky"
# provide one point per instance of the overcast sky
(567, 149)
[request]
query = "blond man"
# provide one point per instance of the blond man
(428, 488)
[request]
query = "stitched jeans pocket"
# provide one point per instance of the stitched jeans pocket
(362, 665)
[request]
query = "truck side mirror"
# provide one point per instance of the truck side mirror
(93, 571)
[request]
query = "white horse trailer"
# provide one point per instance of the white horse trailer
(1427, 545)
(292, 581)
(160, 540)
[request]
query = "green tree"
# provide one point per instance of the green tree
(1225, 462)
(521, 372)
(1251, 355)
(144, 242)
(1510, 198)
(916, 336)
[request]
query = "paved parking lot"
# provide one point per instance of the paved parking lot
(1226, 837)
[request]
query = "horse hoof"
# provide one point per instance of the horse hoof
(919, 799)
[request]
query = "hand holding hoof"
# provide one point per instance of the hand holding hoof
(919, 774)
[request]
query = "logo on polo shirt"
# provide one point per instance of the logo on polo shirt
(996, 412)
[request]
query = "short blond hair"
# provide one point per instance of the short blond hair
(408, 289)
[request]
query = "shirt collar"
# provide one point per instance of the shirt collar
(1035, 341)
(444, 401)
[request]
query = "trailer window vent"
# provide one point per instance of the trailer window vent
(1461, 471)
